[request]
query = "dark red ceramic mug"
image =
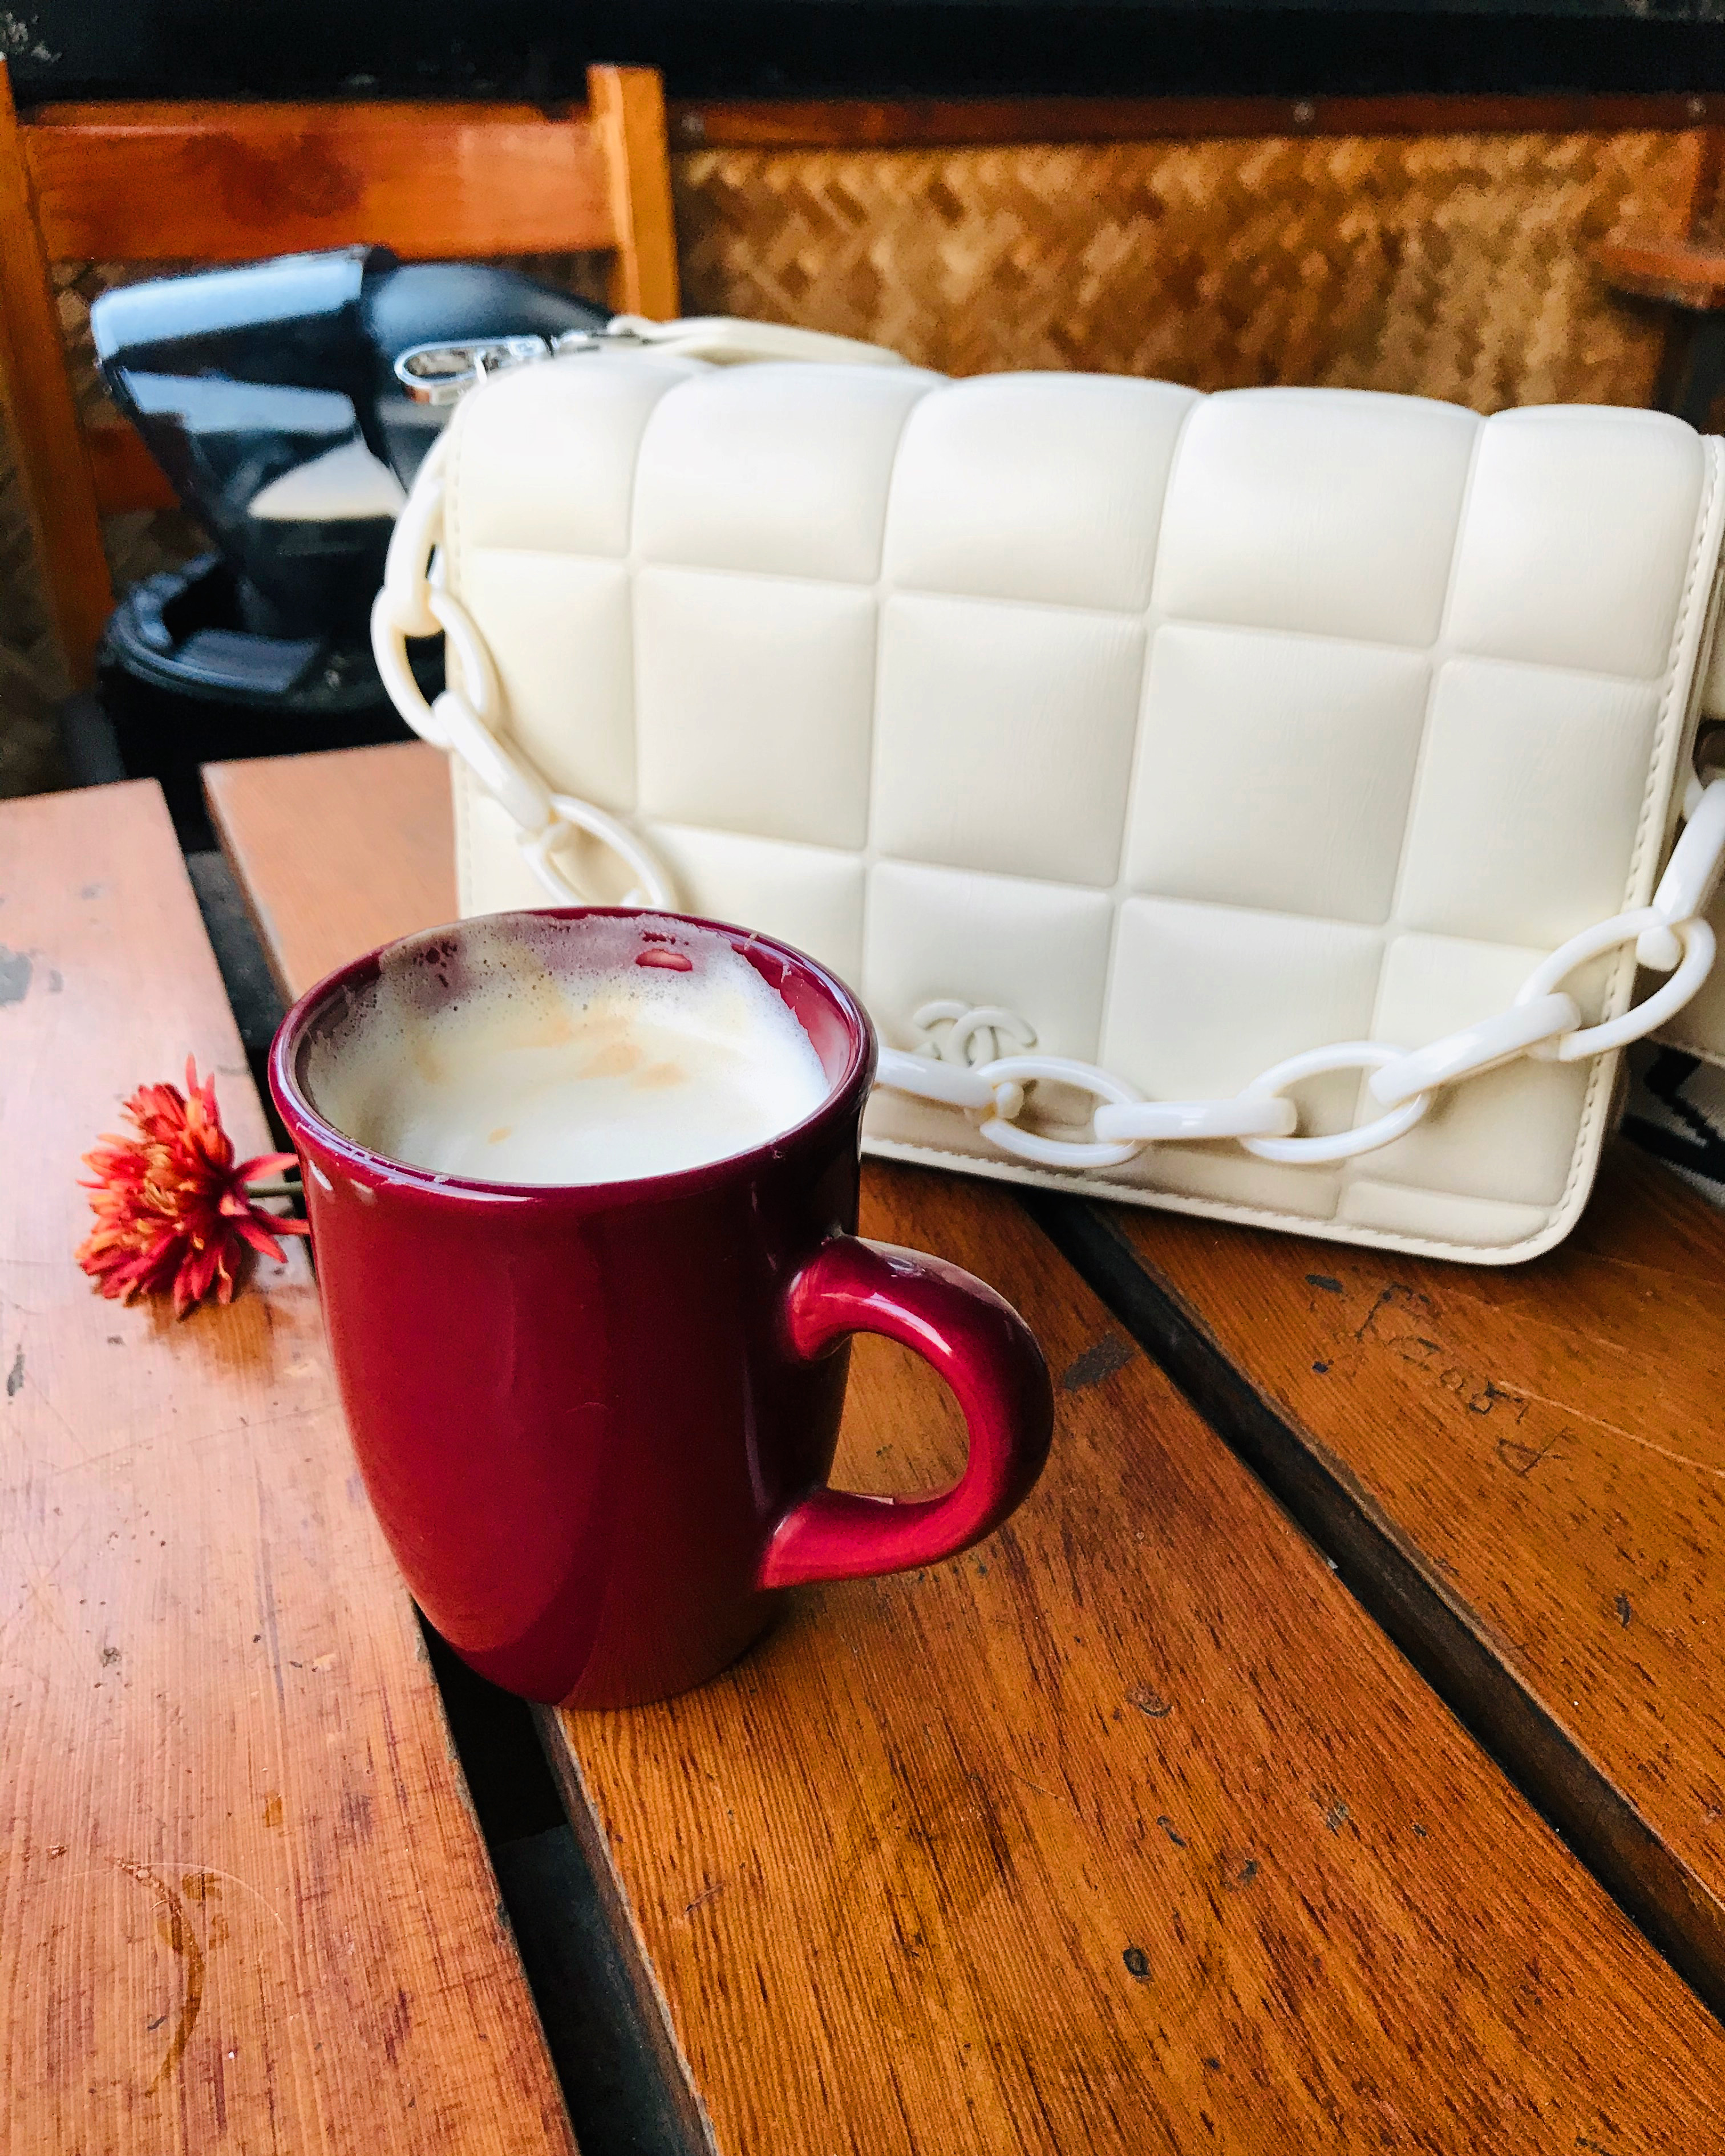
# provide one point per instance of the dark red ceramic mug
(596, 1420)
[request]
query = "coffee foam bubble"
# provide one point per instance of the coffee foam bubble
(527, 1049)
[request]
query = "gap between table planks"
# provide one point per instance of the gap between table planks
(1127, 1830)
(243, 1903)
(1523, 1472)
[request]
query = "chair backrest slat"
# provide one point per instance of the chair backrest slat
(127, 475)
(228, 183)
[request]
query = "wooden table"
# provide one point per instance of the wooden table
(1136, 1829)
(243, 1903)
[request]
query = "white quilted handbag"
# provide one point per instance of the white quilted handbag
(1264, 805)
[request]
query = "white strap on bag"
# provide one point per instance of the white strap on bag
(442, 373)
(960, 1064)
(723, 340)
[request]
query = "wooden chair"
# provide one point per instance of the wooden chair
(1687, 276)
(202, 183)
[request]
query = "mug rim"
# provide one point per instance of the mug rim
(304, 1122)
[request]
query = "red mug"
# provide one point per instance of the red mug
(596, 1421)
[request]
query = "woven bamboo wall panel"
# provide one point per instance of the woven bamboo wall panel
(1453, 266)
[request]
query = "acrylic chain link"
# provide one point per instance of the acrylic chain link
(961, 1063)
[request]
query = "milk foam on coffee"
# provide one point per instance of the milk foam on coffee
(553, 1057)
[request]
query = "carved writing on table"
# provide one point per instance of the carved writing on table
(1373, 1319)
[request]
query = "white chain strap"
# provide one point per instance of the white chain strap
(463, 719)
(1543, 1021)
(980, 1059)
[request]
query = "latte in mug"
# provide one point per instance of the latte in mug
(597, 1418)
(523, 1057)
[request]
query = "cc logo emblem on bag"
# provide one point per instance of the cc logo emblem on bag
(975, 1035)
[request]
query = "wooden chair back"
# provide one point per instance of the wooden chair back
(202, 183)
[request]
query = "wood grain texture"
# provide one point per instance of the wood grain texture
(852, 123)
(127, 475)
(337, 853)
(629, 114)
(1126, 1831)
(1685, 273)
(1457, 265)
(243, 1903)
(229, 183)
(1539, 1456)
(42, 419)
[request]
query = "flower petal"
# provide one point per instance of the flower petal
(261, 1238)
(265, 1163)
(191, 1282)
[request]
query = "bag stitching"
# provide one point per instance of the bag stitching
(1328, 1227)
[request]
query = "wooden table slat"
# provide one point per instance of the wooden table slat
(243, 1902)
(336, 882)
(1530, 1464)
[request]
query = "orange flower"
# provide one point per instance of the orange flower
(172, 1208)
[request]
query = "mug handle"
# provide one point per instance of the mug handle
(987, 1354)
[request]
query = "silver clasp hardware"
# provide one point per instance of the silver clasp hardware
(442, 373)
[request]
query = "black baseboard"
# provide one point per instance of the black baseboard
(539, 49)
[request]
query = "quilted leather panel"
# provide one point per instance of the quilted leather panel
(1028, 947)
(1004, 736)
(529, 446)
(743, 468)
(1329, 512)
(1315, 736)
(754, 702)
(552, 618)
(1505, 1135)
(1010, 492)
(1539, 774)
(1198, 731)
(1578, 531)
(1203, 997)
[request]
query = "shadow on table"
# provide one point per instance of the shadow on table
(612, 2079)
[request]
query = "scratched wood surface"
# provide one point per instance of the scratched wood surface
(1529, 1465)
(1127, 1830)
(243, 1903)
